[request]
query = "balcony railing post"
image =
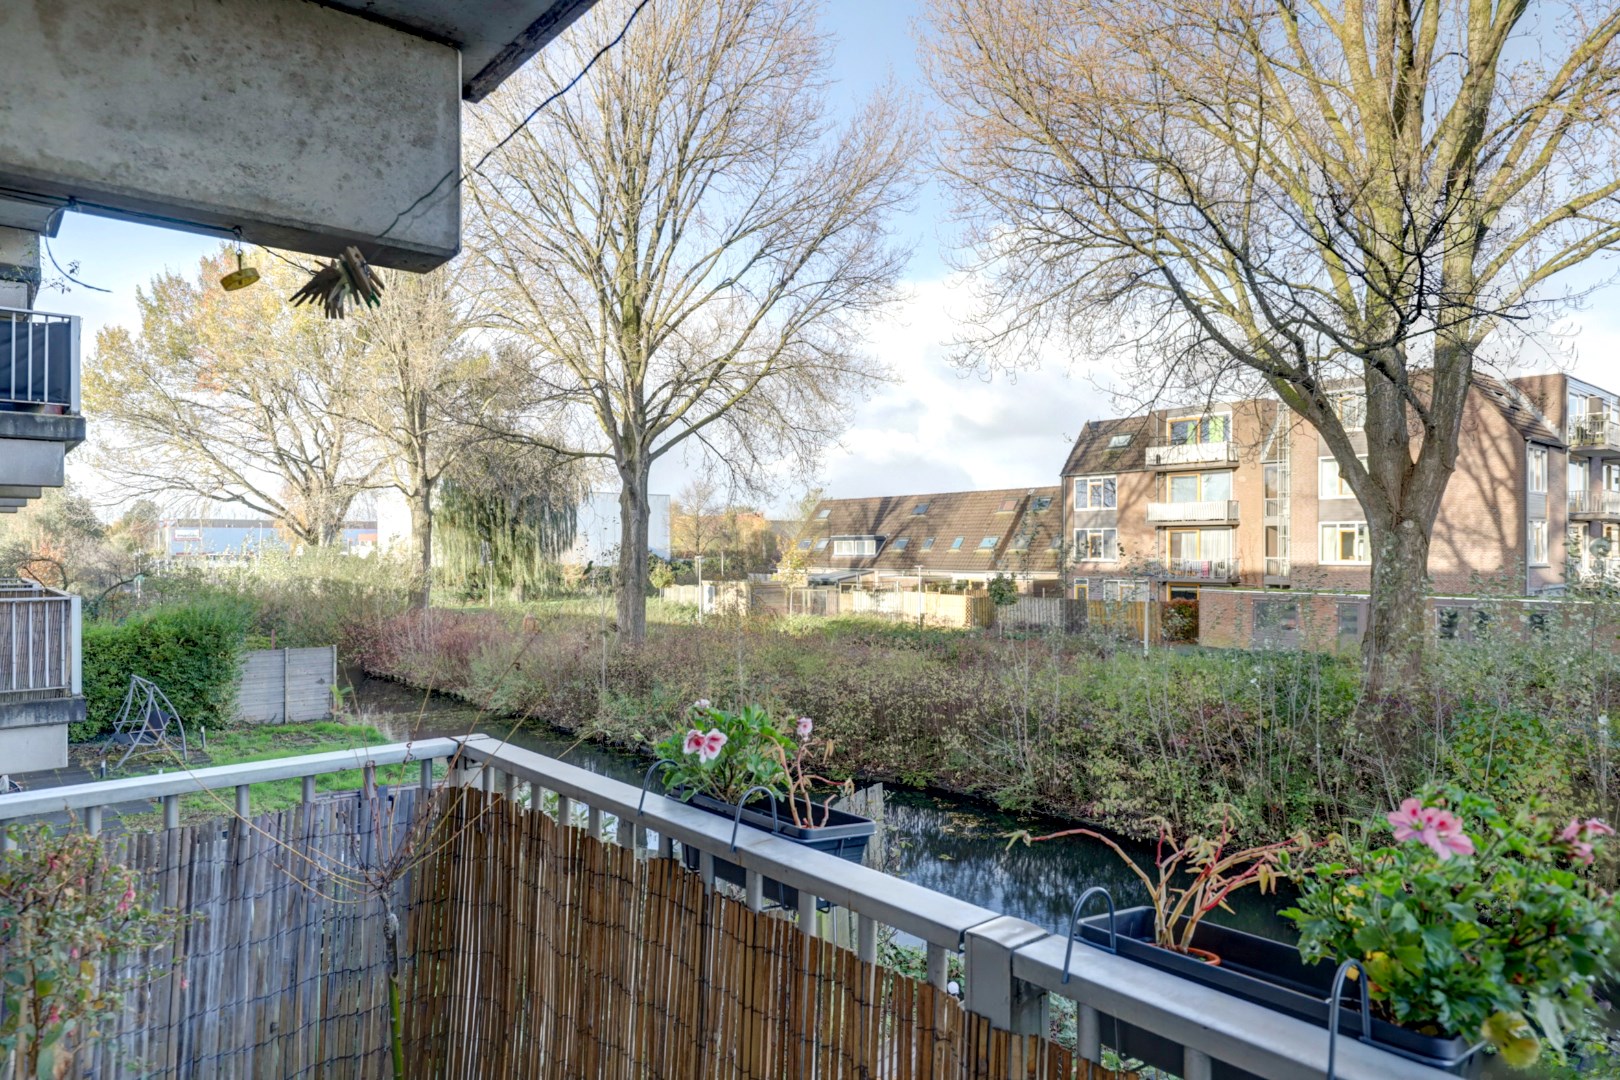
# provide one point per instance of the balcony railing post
(992, 991)
(76, 645)
(73, 367)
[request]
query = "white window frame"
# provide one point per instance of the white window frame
(1328, 552)
(1108, 540)
(1350, 406)
(1084, 485)
(855, 547)
(1536, 469)
(1339, 485)
(1537, 536)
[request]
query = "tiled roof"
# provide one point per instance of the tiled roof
(1520, 411)
(1094, 453)
(1021, 535)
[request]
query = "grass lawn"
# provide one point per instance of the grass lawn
(266, 742)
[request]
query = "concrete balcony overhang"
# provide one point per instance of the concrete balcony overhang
(1222, 511)
(1183, 455)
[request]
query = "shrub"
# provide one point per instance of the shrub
(193, 652)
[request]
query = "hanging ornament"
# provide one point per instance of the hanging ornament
(335, 283)
(242, 276)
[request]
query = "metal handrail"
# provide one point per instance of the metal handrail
(189, 781)
(25, 366)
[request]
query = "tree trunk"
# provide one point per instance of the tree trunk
(634, 514)
(1397, 624)
(421, 502)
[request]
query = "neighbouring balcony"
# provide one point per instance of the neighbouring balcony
(1212, 570)
(39, 675)
(39, 361)
(1595, 434)
(551, 915)
(39, 401)
(1179, 455)
(1594, 505)
(1217, 510)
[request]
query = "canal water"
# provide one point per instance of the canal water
(951, 845)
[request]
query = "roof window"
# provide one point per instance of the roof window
(902, 543)
(956, 545)
(1119, 442)
(920, 508)
(987, 542)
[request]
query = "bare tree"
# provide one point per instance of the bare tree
(235, 397)
(427, 395)
(1313, 198)
(687, 243)
(697, 519)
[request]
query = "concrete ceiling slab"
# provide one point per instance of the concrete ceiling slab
(496, 37)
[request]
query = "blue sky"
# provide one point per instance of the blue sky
(932, 428)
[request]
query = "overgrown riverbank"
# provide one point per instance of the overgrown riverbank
(1075, 727)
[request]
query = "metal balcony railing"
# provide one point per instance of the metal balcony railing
(40, 632)
(1203, 510)
(39, 361)
(1191, 453)
(1595, 430)
(1595, 503)
(1202, 569)
(1011, 965)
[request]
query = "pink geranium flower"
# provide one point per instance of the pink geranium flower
(701, 704)
(713, 743)
(1434, 826)
(805, 726)
(1579, 835)
(693, 743)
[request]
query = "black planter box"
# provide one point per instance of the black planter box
(845, 835)
(1264, 972)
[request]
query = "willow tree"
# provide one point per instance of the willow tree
(426, 395)
(686, 242)
(233, 397)
(1311, 197)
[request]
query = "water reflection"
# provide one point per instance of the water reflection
(949, 845)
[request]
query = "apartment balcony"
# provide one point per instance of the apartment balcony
(1208, 570)
(1222, 511)
(1594, 505)
(1596, 436)
(40, 692)
(1184, 455)
(559, 916)
(39, 402)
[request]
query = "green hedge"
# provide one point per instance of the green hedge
(193, 651)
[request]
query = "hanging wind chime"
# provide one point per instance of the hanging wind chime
(348, 276)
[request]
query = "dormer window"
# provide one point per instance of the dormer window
(855, 545)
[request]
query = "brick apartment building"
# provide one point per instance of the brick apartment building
(1247, 494)
(958, 536)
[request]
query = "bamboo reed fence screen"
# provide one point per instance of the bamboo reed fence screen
(541, 952)
(280, 971)
(530, 951)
